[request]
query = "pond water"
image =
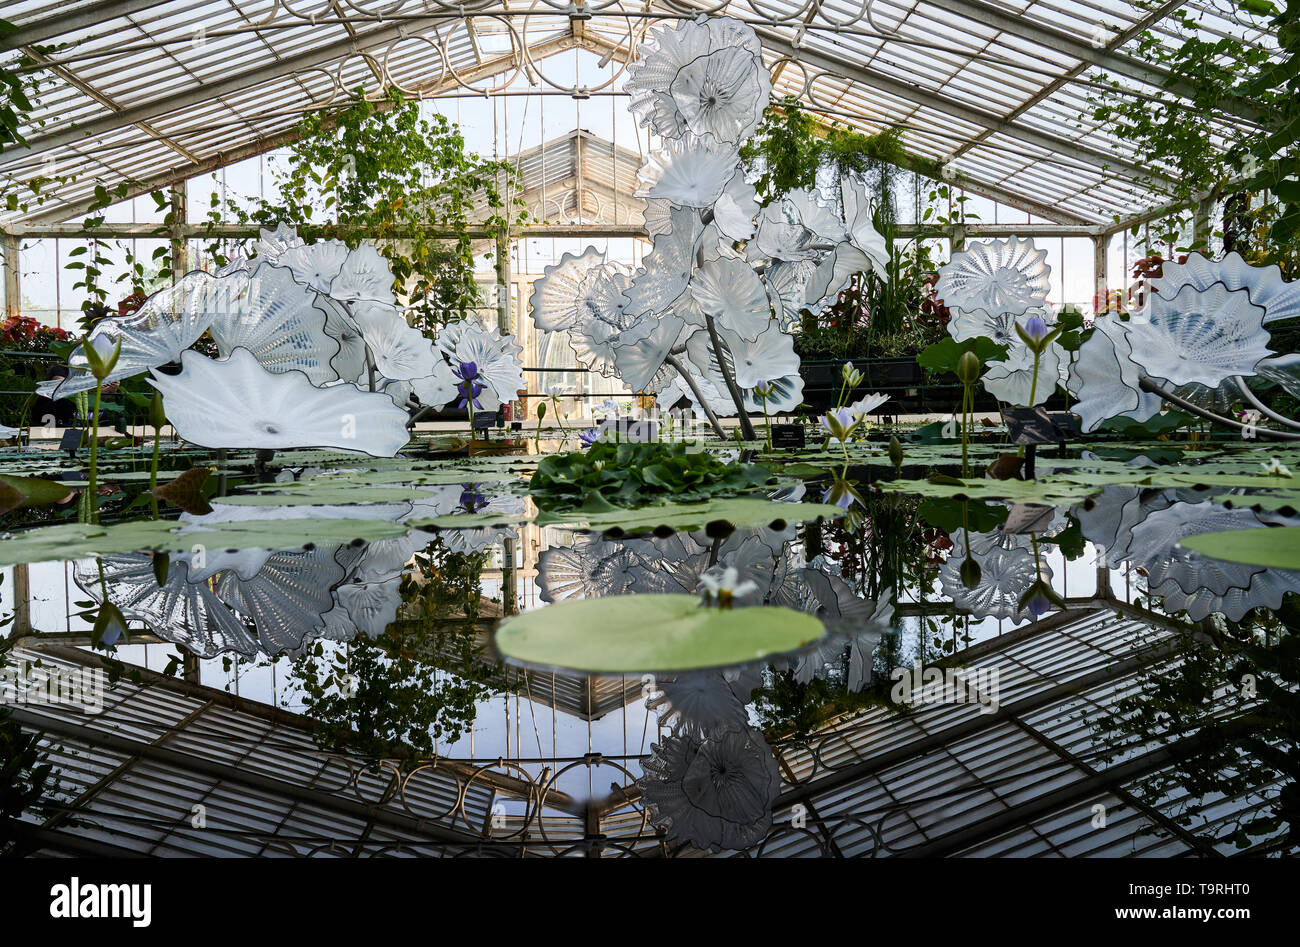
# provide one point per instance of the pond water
(1039, 667)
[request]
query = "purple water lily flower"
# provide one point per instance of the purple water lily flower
(1038, 605)
(470, 498)
(589, 436)
(1036, 327)
(469, 389)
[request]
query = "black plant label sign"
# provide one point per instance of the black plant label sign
(1034, 426)
(788, 437)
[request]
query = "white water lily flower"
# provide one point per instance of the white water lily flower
(1008, 275)
(236, 403)
(400, 351)
(729, 582)
(1275, 468)
(733, 294)
(1199, 336)
(866, 404)
(690, 172)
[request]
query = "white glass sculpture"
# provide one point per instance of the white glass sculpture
(400, 352)
(236, 403)
(168, 323)
(715, 793)
(276, 318)
(1105, 379)
(1008, 275)
(1200, 336)
(496, 357)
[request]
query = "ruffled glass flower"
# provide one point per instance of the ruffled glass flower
(236, 403)
(496, 357)
(997, 276)
(716, 792)
(691, 172)
(1200, 336)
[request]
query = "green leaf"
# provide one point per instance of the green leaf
(1273, 548)
(651, 633)
(739, 512)
(943, 356)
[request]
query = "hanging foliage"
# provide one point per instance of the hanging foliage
(383, 171)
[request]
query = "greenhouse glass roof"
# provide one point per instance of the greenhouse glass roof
(151, 92)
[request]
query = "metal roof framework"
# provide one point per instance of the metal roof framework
(152, 92)
(946, 779)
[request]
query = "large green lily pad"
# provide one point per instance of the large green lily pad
(738, 511)
(1041, 492)
(1275, 548)
(80, 540)
(314, 494)
(625, 634)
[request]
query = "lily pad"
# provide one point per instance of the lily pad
(1042, 492)
(80, 540)
(468, 520)
(738, 511)
(623, 634)
(313, 494)
(1276, 548)
(17, 492)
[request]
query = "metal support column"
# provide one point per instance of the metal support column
(180, 248)
(1100, 292)
(13, 286)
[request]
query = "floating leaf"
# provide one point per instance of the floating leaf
(1275, 548)
(79, 540)
(738, 512)
(19, 492)
(186, 491)
(651, 633)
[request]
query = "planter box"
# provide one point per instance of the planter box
(900, 378)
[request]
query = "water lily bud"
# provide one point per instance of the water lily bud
(541, 410)
(101, 355)
(968, 368)
(157, 417)
(970, 573)
(895, 453)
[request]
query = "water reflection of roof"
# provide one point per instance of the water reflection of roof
(943, 780)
